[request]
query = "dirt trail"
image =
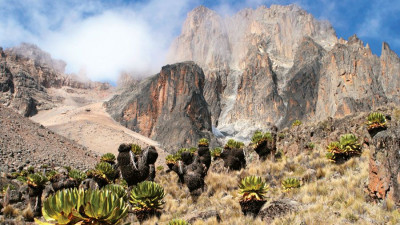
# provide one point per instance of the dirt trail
(82, 118)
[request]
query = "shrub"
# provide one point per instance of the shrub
(376, 120)
(68, 168)
(252, 188)
(216, 152)
(6, 187)
(310, 145)
(51, 175)
(77, 175)
(178, 222)
(296, 123)
(203, 142)
(31, 169)
(108, 157)
(73, 206)
(347, 147)
(147, 195)
(103, 172)
(136, 149)
(290, 183)
(171, 159)
(259, 137)
(233, 144)
(147, 199)
(36, 180)
(160, 168)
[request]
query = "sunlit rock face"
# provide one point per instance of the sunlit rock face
(168, 107)
(274, 65)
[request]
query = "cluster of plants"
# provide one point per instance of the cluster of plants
(232, 144)
(147, 199)
(296, 123)
(178, 222)
(103, 173)
(23, 174)
(376, 120)
(252, 192)
(216, 152)
(174, 158)
(136, 149)
(345, 148)
(203, 142)
(290, 183)
(259, 137)
(108, 205)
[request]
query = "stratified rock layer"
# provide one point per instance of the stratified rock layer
(168, 107)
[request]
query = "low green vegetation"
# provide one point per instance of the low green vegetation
(259, 137)
(347, 147)
(296, 123)
(76, 206)
(376, 120)
(252, 188)
(231, 144)
(290, 183)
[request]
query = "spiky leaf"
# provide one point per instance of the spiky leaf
(147, 195)
(204, 142)
(252, 188)
(290, 183)
(108, 157)
(36, 180)
(178, 222)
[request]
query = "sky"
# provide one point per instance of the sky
(102, 38)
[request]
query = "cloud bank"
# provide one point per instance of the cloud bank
(104, 38)
(94, 38)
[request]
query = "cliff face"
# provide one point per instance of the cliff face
(168, 107)
(25, 74)
(349, 81)
(274, 65)
(246, 59)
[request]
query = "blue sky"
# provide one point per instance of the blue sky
(103, 38)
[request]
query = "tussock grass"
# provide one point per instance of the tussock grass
(329, 193)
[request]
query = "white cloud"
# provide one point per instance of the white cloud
(101, 39)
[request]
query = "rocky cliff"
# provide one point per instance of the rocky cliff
(274, 65)
(26, 72)
(168, 107)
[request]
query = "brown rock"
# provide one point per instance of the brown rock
(168, 107)
(384, 167)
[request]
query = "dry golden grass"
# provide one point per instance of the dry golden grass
(334, 196)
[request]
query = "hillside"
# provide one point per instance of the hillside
(25, 143)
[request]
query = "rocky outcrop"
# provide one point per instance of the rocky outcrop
(168, 107)
(384, 167)
(349, 81)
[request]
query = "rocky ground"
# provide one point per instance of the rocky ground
(24, 143)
